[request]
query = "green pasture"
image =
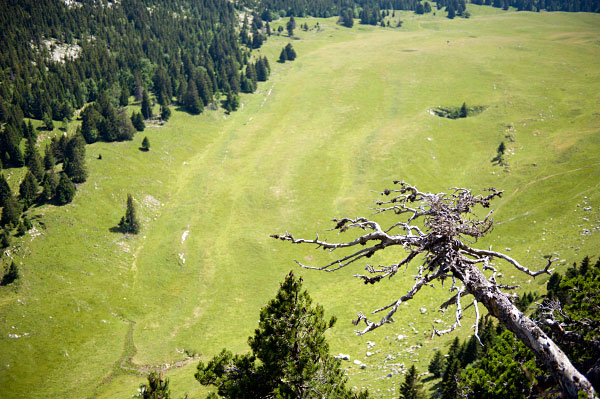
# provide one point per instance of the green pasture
(350, 115)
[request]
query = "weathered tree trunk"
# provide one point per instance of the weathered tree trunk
(499, 305)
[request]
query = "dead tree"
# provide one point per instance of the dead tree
(437, 231)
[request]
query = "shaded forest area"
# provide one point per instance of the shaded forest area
(55, 56)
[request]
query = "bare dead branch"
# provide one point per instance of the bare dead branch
(517, 265)
(446, 223)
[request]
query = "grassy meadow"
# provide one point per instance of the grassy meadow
(350, 115)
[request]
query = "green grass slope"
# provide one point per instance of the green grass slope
(348, 116)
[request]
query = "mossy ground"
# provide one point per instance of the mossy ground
(348, 116)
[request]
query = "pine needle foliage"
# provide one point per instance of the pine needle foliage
(289, 354)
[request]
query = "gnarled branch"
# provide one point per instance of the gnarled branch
(445, 222)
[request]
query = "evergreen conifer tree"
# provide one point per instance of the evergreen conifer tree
(90, 121)
(450, 379)
(124, 96)
(129, 223)
(5, 238)
(283, 56)
(138, 121)
(126, 131)
(12, 274)
(157, 388)
(165, 113)
(193, 103)
(289, 354)
(470, 352)
(49, 186)
(31, 134)
(437, 364)
(21, 229)
(463, 111)
(11, 212)
(290, 26)
(262, 73)
(48, 122)
(75, 159)
(108, 126)
(28, 189)
(451, 11)
(11, 140)
(290, 52)
(5, 191)
(506, 371)
(146, 144)
(65, 191)
(412, 388)
(146, 106)
(251, 73)
(34, 164)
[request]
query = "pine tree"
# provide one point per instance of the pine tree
(91, 119)
(450, 379)
(470, 352)
(412, 388)
(262, 73)
(124, 97)
(48, 122)
(157, 388)
(437, 364)
(34, 163)
(108, 126)
(138, 121)
(192, 101)
(129, 223)
(265, 62)
(126, 131)
(146, 144)
(165, 113)
(146, 107)
(28, 189)
(283, 56)
(12, 274)
(31, 134)
(451, 11)
(506, 371)
(11, 212)
(49, 186)
(232, 102)
(289, 354)
(290, 26)
(65, 191)
(290, 52)
(463, 111)
(11, 141)
(21, 229)
(501, 148)
(5, 191)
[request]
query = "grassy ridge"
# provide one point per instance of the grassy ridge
(348, 116)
